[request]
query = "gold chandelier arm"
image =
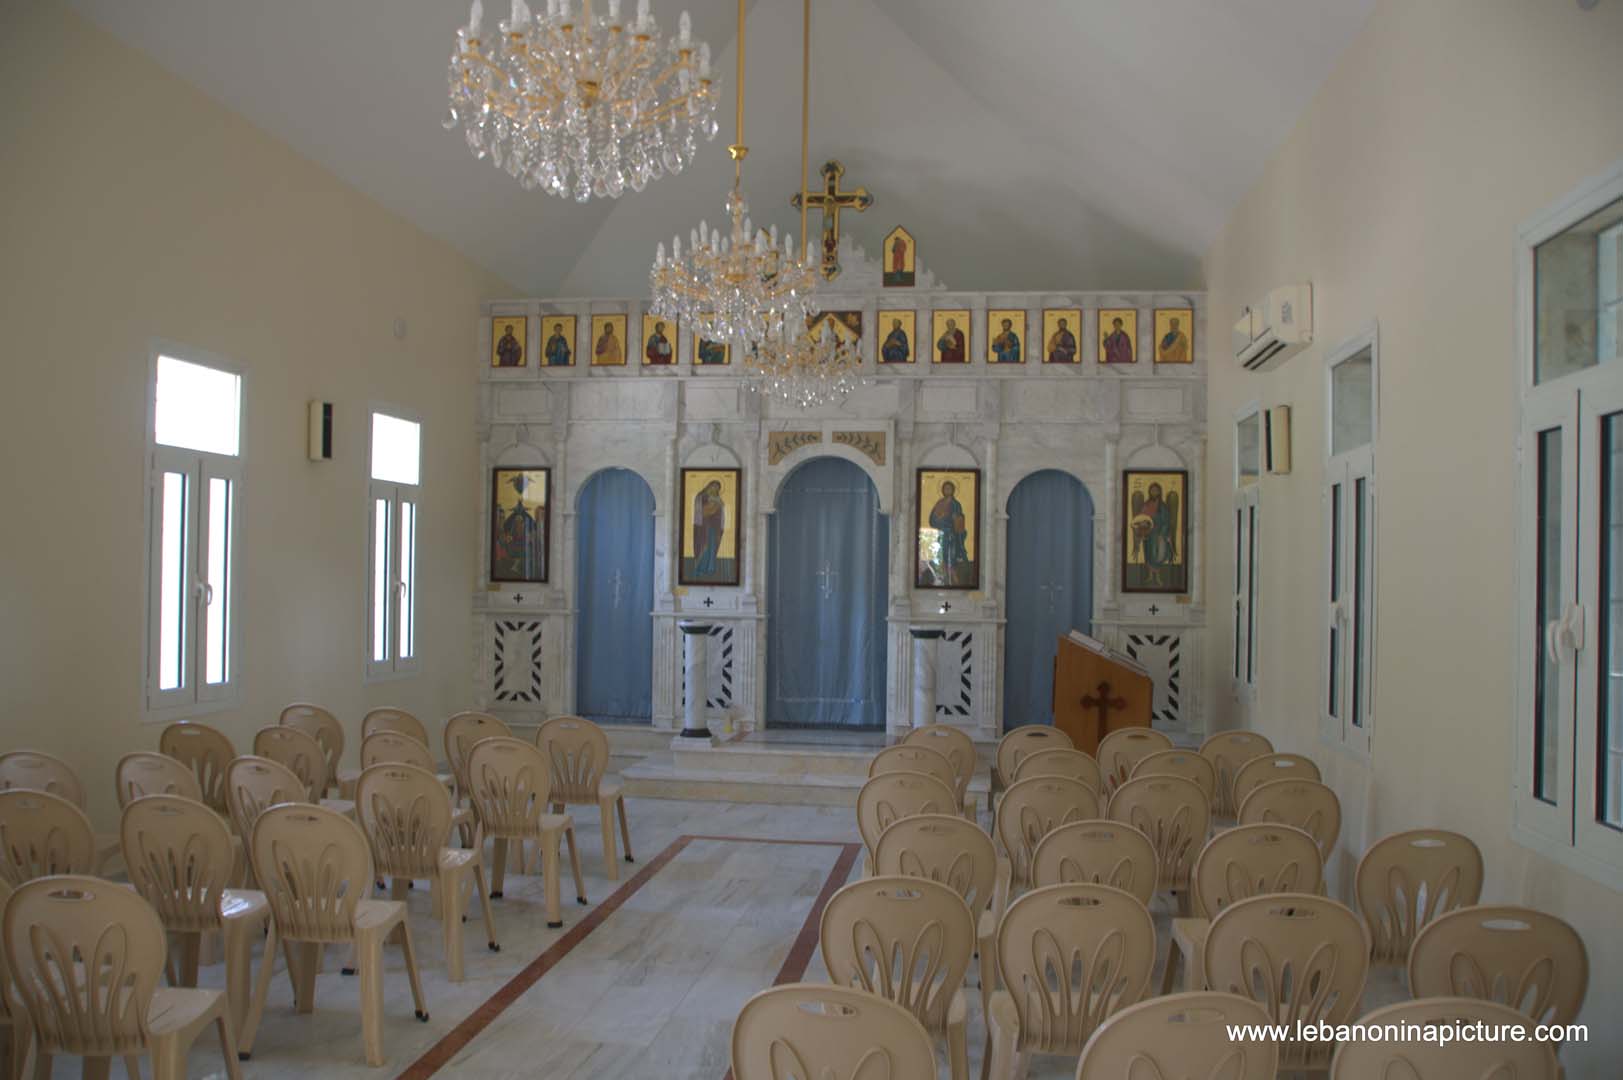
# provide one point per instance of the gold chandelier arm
(805, 110)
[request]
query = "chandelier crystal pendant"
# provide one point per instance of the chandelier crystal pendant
(581, 104)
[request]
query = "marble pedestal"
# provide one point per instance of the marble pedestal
(926, 644)
(695, 649)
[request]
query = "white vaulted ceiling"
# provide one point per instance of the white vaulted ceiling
(1027, 144)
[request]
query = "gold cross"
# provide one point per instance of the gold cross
(831, 200)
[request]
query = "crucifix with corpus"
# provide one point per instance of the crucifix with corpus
(831, 200)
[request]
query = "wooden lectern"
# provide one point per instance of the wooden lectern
(1097, 691)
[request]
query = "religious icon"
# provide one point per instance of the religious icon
(1007, 328)
(1155, 545)
(1060, 327)
(951, 332)
(707, 352)
(1174, 335)
(608, 340)
(559, 350)
(901, 256)
(509, 340)
(846, 326)
(900, 328)
(949, 526)
(520, 523)
(658, 341)
(1118, 336)
(712, 521)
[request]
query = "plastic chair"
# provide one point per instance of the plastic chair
(1184, 763)
(38, 771)
(1180, 1036)
(1533, 962)
(511, 785)
(1228, 751)
(254, 785)
(42, 834)
(579, 752)
(1064, 762)
(13, 1019)
(1426, 1060)
(147, 773)
(459, 735)
(823, 1032)
(407, 817)
(913, 758)
(299, 751)
(389, 718)
(317, 722)
(394, 748)
(1123, 748)
(957, 747)
(1269, 768)
(1306, 804)
(1070, 955)
(1020, 741)
(205, 751)
(315, 867)
(1237, 864)
(1097, 852)
(1034, 807)
(1175, 814)
(1302, 957)
(85, 957)
(908, 940)
(889, 797)
(1408, 879)
(182, 859)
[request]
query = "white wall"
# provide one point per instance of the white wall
(1442, 128)
(133, 208)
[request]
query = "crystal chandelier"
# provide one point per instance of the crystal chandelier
(581, 104)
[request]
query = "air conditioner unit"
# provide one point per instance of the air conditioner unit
(1276, 329)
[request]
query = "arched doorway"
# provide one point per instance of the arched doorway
(1049, 583)
(827, 589)
(614, 598)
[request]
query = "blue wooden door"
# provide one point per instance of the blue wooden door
(614, 589)
(1050, 588)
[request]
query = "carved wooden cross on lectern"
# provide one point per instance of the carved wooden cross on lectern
(831, 200)
(1102, 701)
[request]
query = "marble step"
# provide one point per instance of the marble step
(664, 777)
(700, 756)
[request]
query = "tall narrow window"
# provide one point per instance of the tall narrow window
(1349, 682)
(194, 471)
(1247, 489)
(392, 550)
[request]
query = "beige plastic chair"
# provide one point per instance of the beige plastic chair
(1301, 956)
(459, 735)
(85, 957)
(315, 867)
(254, 785)
(407, 817)
(37, 771)
(182, 859)
(908, 940)
(1237, 864)
(1034, 807)
(1533, 962)
(1023, 740)
(299, 751)
(1269, 768)
(1184, 763)
(579, 752)
(12, 1018)
(389, 718)
(1175, 814)
(1097, 852)
(324, 727)
(1228, 751)
(1306, 804)
(919, 759)
(42, 834)
(511, 786)
(1070, 955)
(958, 748)
(1180, 1037)
(889, 797)
(206, 752)
(1410, 878)
(1063, 762)
(1123, 748)
(147, 773)
(1458, 1060)
(815, 1031)
(394, 748)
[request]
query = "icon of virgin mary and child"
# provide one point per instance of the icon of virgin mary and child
(709, 523)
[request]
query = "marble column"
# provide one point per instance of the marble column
(696, 642)
(926, 643)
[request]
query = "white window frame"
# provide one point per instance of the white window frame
(1564, 826)
(1346, 469)
(1243, 666)
(395, 495)
(193, 697)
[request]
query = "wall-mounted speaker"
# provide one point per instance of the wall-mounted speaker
(1276, 440)
(321, 431)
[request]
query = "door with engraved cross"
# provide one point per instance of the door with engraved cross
(827, 585)
(1050, 588)
(614, 591)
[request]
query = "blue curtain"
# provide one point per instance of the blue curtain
(614, 579)
(828, 587)
(1050, 588)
